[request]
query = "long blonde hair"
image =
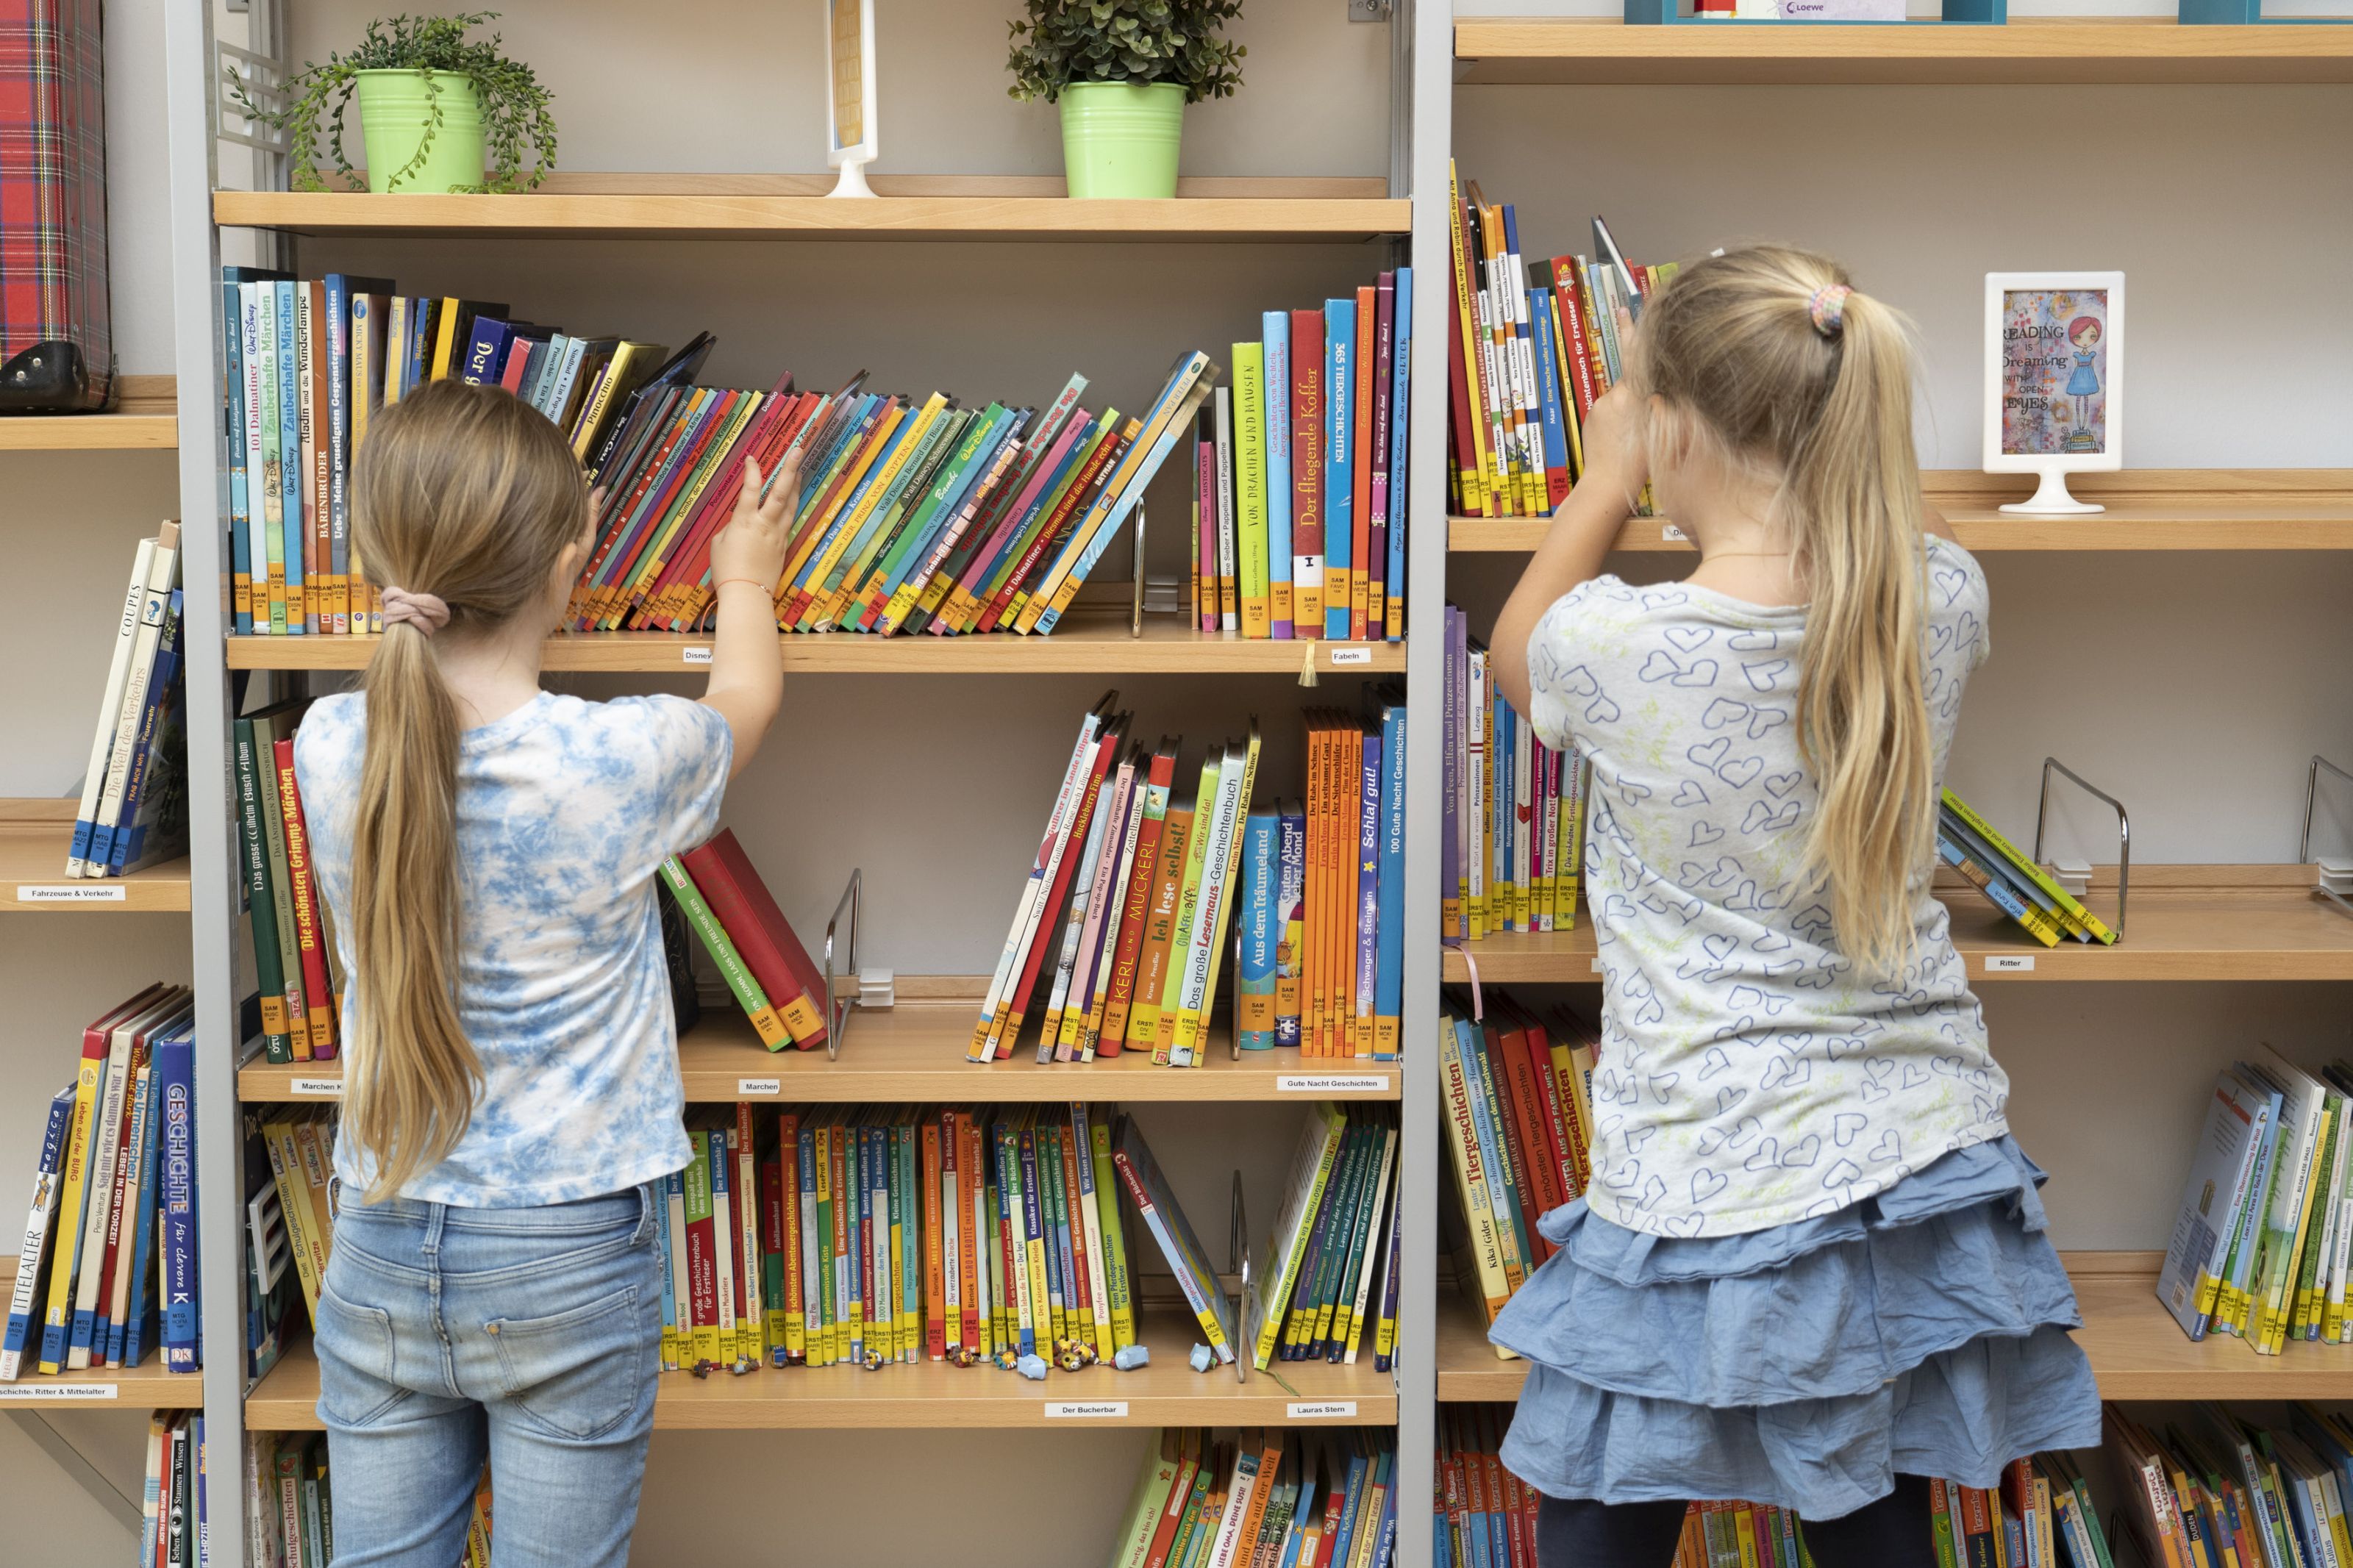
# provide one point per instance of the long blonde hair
(1767, 356)
(465, 493)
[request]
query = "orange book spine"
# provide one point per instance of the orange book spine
(935, 1291)
(1150, 969)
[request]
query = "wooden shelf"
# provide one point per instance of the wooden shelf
(1095, 643)
(1169, 1393)
(2187, 922)
(34, 834)
(2149, 509)
(146, 1386)
(143, 420)
(2037, 49)
(913, 1053)
(2136, 1349)
(789, 207)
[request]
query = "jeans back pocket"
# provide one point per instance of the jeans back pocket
(357, 1367)
(579, 1374)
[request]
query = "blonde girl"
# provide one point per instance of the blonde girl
(511, 1096)
(1810, 1271)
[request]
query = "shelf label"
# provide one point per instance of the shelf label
(1320, 1410)
(319, 1087)
(1353, 653)
(1673, 534)
(58, 1392)
(1086, 1410)
(697, 654)
(1332, 1083)
(2009, 963)
(72, 893)
(747, 1087)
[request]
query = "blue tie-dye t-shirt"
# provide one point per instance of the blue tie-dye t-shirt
(565, 812)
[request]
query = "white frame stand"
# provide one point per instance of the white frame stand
(2051, 497)
(853, 160)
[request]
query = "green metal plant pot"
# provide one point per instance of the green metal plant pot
(396, 112)
(1121, 138)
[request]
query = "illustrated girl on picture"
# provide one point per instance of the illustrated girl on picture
(2085, 333)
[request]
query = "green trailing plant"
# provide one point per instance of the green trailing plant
(516, 123)
(1061, 43)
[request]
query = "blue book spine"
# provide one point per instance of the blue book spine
(1033, 1231)
(1262, 871)
(121, 1337)
(1473, 1047)
(1276, 330)
(1401, 443)
(486, 352)
(1549, 387)
(290, 487)
(1290, 890)
(130, 829)
(1368, 890)
(1499, 812)
(1000, 430)
(1339, 462)
(1385, 1544)
(1388, 984)
(1120, 506)
(175, 1068)
(25, 1302)
(233, 432)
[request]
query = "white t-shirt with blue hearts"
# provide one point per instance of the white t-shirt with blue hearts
(1747, 1078)
(565, 811)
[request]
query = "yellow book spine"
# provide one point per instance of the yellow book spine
(445, 339)
(59, 1311)
(286, 1171)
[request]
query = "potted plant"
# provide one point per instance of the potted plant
(438, 113)
(1123, 71)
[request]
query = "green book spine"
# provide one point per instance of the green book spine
(270, 975)
(706, 925)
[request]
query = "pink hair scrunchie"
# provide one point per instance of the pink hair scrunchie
(1828, 308)
(427, 613)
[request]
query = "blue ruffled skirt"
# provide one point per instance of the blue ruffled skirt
(1924, 1330)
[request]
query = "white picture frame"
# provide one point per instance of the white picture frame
(2054, 403)
(852, 136)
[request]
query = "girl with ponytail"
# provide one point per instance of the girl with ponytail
(1810, 1270)
(511, 1100)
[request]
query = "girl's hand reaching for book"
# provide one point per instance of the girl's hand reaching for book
(752, 546)
(1614, 462)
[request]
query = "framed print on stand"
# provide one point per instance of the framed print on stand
(849, 113)
(2054, 360)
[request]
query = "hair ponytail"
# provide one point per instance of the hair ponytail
(464, 494)
(1744, 354)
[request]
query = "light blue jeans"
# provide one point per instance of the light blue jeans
(528, 1337)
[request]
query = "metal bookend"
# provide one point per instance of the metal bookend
(837, 1006)
(1234, 1046)
(2124, 829)
(1135, 592)
(2336, 876)
(1244, 1302)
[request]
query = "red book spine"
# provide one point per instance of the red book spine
(788, 1160)
(1360, 520)
(1172, 1512)
(1515, 1144)
(1307, 465)
(1556, 1118)
(631, 523)
(936, 1293)
(1133, 910)
(1081, 1276)
(771, 432)
(627, 588)
(321, 1013)
(702, 1276)
(725, 878)
(1205, 527)
(1540, 1173)
(1049, 928)
(1384, 499)
(1078, 494)
(969, 1186)
(975, 567)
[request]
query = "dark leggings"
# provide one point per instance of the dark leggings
(1577, 1532)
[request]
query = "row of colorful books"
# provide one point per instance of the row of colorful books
(171, 1522)
(300, 1148)
(2262, 1244)
(1529, 348)
(2214, 1487)
(1262, 1496)
(1512, 847)
(1336, 1227)
(134, 810)
(298, 971)
(1121, 928)
(1299, 516)
(1517, 1092)
(108, 1269)
(2019, 888)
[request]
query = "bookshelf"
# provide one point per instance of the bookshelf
(146, 1386)
(2186, 922)
(930, 1394)
(1591, 51)
(1092, 643)
(914, 1054)
(144, 420)
(2137, 1351)
(34, 835)
(2149, 509)
(973, 207)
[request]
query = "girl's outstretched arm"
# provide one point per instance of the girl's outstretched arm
(1582, 532)
(747, 656)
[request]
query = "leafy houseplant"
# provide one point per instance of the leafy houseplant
(435, 109)
(1123, 71)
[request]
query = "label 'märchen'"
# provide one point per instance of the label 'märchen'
(756, 1086)
(317, 1087)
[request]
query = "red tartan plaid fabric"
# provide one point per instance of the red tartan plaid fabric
(53, 182)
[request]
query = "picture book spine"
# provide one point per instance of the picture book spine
(1401, 446)
(1274, 349)
(1365, 369)
(1061, 872)
(291, 477)
(233, 418)
(1196, 1295)
(110, 752)
(1202, 562)
(267, 728)
(1548, 408)
(336, 617)
(1119, 1293)
(105, 1147)
(136, 1202)
(1367, 1250)
(1379, 372)
(311, 418)
(1290, 850)
(1261, 868)
(1251, 536)
(321, 1019)
(763, 940)
(265, 457)
(1228, 591)
(1106, 906)
(128, 849)
(26, 1288)
(261, 504)
(1307, 472)
(1339, 460)
(1468, 1154)
(2026, 867)
(1368, 890)
(755, 1003)
(1387, 911)
(752, 1323)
